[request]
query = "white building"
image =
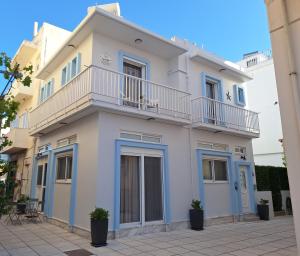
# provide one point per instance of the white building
(262, 97)
(140, 125)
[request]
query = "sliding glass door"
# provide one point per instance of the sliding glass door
(141, 189)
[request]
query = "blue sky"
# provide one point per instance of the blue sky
(227, 28)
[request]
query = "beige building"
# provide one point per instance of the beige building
(284, 25)
(124, 119)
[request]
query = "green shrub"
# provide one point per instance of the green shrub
(99, 214)
(196, 204)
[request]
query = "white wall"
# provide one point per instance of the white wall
(274, 159)
(262, 95)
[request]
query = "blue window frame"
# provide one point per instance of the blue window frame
(239, 95)
(71, 69)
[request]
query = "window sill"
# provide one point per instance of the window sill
(63, 181)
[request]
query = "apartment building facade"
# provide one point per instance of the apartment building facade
(262, 97)
(126, 120)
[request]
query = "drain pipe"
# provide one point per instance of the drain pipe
(291, 62)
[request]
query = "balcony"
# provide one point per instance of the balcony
(20, 92)
(113, 91)
(20, 140)
(221, 117)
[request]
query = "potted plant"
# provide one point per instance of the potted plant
(263, 209)
(196, 215)
(99, 227)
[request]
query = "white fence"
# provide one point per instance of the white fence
(116, 88)
(213, 112)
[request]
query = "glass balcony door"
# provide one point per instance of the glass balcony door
(141, 190)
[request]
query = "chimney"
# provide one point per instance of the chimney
(35, 28)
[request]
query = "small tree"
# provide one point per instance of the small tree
(11, 71)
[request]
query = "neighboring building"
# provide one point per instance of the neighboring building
(284, 27)
(36, 53)
(263, 98)
(126, 120)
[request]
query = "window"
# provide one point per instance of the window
(239, 94)
(46, 90)
(64, 168)
(251, 62)
(141, 137)
(39, 175)
(71, 70)
(239, 150)
(24, 120)
(214, 170)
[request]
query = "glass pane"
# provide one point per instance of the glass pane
(207, 169)
(39, 175)
(153, 189)
(69, 167)
(220, 168)
(45, 174)
(241, 95)
(130, 189)
(61, 168)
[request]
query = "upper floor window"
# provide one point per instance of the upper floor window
(71, 70)
(46, 90)
(239, 93)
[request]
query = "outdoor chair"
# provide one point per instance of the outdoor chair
(33, 213)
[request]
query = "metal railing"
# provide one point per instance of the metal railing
(213, 112)
(116, 88)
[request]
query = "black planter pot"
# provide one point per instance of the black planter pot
(99, 229)
(196, 219)
(263, 211)
(21, 208)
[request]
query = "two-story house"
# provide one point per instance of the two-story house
(139, 125)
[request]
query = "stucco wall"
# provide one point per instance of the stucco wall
(86, 130)
(217, 197)
(62, 201)
(105, 46)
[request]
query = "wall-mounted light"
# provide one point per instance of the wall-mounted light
(222, 69)
(138, 41)
(72, 45)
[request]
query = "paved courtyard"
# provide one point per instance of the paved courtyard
(270, 238)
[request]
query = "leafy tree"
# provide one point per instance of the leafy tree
(11, 71)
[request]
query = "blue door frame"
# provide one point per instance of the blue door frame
(250, 185)
(200, 153)
(51, 177)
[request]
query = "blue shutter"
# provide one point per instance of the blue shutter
(78, 64)
(68, 72)
(52, 87)
(220, 91)
(203, 84)
(237, 100)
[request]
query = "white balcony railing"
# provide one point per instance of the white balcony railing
(108, 86)
(215, 113)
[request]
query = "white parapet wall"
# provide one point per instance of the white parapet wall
(268, 196)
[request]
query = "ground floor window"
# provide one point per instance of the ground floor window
(215, 170)
(141, 189)
(64, 168)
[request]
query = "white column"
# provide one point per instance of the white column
(284, 25)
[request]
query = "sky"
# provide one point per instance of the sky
(228, 28)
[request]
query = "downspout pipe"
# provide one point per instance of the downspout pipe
(292, 70)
